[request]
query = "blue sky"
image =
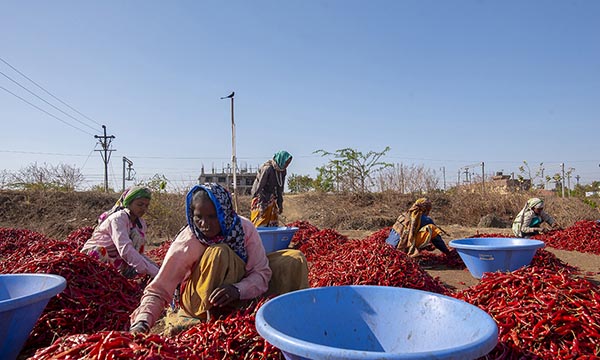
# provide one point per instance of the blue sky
(445, 84)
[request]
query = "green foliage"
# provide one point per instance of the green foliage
(157, 183)
(300, 183)
(324, 182)
(350, 169)
(590, 202)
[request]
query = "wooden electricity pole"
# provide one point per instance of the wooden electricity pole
(105, 153)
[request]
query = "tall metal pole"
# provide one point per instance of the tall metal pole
(562, 182)
(233, 157)
(130, 163)
(482, 177)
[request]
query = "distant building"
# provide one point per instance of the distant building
(244, 178)
(506, 183)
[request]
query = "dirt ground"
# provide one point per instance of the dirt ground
(589, 264)
(56, 214)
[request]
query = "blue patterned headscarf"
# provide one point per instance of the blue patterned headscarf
(231, 225)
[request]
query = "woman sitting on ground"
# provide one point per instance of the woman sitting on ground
(530, 219)
(120, 236)
(218, 259)
(414, 230)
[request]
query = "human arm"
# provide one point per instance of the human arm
(261, 183)
(526, 227)
(258, 273)
(119, 227)
(549, 219)
(183, 253)
(279, 190)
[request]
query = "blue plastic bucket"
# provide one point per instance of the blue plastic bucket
(375, 322)
(483, 255)
(276, 238)
(23, 298)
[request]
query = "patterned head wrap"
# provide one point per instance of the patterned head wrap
(231, 226)
(280, 158)
(422, 205)
(126, 198)
(535, 203)
(136, 192)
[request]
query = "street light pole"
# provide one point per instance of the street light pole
(233, 158)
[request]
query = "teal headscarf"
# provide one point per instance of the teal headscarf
(281, 158)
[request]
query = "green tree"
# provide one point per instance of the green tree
(300, 183)
(157, 183)
(351, 170)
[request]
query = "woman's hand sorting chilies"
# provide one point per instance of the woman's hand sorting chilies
(223, 295)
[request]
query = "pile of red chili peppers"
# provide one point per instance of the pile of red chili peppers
(545, 310)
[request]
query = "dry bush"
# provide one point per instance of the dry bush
(165, 216)
(56, 213)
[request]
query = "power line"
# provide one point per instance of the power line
(44, 111)
(34, 94)
(39, 153)
(49, 93)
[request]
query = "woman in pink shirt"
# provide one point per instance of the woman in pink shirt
(120, 236)
(218, 259)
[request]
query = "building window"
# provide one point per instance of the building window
(221, 179)
(208, 179)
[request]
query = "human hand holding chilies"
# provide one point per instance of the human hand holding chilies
(223, 295)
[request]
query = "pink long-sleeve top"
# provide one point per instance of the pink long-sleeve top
(184, 255)
(113, 235)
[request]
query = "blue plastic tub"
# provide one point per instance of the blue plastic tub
(375, 322)
(483, 255)
(276, 238)
(23, 298)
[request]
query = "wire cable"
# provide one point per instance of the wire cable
(89, 155)
(49, 93)
(44, 111)
(34, 94)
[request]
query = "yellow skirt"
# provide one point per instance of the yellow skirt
(268, 217)
(422, 240)
(220, 265)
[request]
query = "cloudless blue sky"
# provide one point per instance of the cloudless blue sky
(445, 84)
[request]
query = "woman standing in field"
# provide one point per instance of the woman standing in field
(529, 220)
(414, 230)
(119, 238)
(217, 260)
(267, 190)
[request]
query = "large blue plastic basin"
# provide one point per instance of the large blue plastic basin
(23, 298)
(375, 322)
(483, 255)
(276, 238)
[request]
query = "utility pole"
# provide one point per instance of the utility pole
(105, 153)
(233, 158)
(444, 176)
(562, 178)
(129, 169)
(482, 178)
